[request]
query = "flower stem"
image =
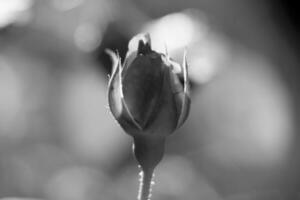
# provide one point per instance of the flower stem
(148, 152)
(145, 185)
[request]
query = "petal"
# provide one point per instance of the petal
(134, 48)
(114, 87)
(176, 85)
(114, 58)
(176, 68)
(115, 97)
(128, 115)
(144, 48)
(142, 83)
(134, 42)
(185, 74)
(165, 120)
(184, 108)
(185, 96)
(130, 57)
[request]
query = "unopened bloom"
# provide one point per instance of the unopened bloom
(148, 99)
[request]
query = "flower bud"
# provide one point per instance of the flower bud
(147, 98)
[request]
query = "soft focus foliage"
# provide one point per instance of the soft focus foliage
(59, 142)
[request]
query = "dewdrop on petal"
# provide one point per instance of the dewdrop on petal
(148, 99)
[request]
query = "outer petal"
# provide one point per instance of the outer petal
(184, 108)
(114, 86)
(185, 96)
(115, 97)
(177, 94)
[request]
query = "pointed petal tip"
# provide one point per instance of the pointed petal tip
(113, 55)
(133, 44)
(186, 101)
(167, 52)
(109, 52)
(144, 44)
(147, 39)
(185, 72)
(184, 61)
(115, 58)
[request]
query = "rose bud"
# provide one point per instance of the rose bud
(147, 98)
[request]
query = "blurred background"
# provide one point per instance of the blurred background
(58, 140)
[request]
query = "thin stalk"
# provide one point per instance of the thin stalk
(145, 185)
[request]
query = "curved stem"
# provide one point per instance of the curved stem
(145, 185)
